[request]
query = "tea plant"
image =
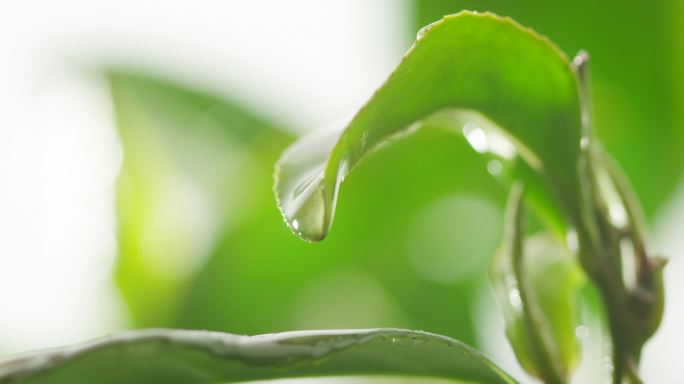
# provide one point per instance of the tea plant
(520, 102)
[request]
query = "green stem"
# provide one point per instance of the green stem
(593, 256)
(631, 373)
(632, 313)
(548, 370)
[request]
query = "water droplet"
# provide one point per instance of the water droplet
(402, 341)
(608, 368)
(584, 143)
(582, 332)
(408, 341)
(485, 138)
(476, 137)
(300, 186)
(514, 298)
(571, 240)
(423, 31)
(629, 266)
(617, 214)
(581, 59)
(494, 167)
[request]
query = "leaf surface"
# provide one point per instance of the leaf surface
(634, 94)
(537, 283)
(512, 93)
(195, 203)
(184, 357)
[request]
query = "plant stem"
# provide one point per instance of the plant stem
(515, 214)
(632, 312)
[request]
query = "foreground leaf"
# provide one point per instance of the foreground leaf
(179, 357)
(517, 92)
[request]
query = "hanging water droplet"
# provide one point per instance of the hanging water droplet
(301, 188)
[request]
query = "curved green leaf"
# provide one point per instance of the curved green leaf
(252, 286)
(195, 203)
(537, 283)
(515, 90)
(631, 92)
(184, 357)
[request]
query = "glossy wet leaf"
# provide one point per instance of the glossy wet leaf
(511, 87)
(185, 357)
(636, 77)
(195, 165)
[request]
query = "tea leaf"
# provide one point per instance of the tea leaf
(511, 91)
(184, 357)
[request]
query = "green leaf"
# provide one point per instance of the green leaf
(253, 286)
(195, 165)
(237, 282)
(632, 91)
(537, 282)
(184, 357)
(516, 92)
